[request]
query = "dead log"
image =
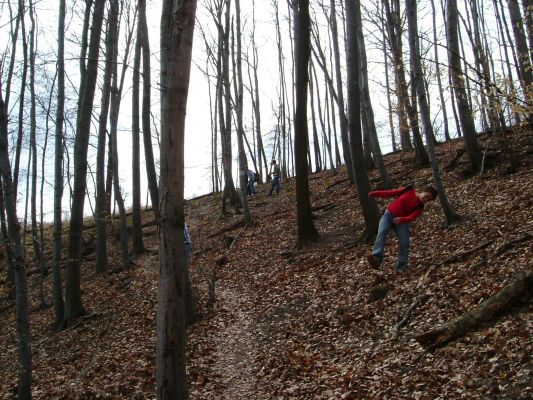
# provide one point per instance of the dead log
(518, 291)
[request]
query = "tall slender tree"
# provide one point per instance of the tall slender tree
(243, 163)
(177, 28)
(362, 183)
(73, 302)
(146, 110)
(136, 216)
(414, 48)
(59, 305)
(302, 28)
(458, 80)
(21, 285)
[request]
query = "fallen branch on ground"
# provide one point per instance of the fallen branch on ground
(337, 183)
(227, 229)
(518, 290)
(419, 299)
(511, 243)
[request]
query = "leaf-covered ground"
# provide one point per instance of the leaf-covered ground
(298, 324)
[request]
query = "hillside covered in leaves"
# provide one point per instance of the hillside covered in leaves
(275, 322)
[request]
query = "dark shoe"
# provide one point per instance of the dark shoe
(402, 267)
(373, 261)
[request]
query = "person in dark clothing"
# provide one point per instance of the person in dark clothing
(250, 188)
(408, 206)
(275, 178)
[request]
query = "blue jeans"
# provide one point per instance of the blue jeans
(402, 231)
(250, 188)
(275, 185)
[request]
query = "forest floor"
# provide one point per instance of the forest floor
(301, 324)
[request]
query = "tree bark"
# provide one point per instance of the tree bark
(101, 206)
(243, 163)
(343, 121)
(21, 286)
(368, 205)
(302, 28)
(136, 217)
(59, 305)
(177, 27)
(458, 80)
(367, 108)
(414, 48)
(146, 106)
(73, 303)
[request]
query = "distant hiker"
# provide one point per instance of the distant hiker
(187, 245)
(190, 311)
(275, 176)
(252, 177)
(408, 206)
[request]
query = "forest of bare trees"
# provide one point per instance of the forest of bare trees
(314, 84)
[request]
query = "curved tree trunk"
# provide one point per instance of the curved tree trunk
(146, 105)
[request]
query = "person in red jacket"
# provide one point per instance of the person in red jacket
(408, 206)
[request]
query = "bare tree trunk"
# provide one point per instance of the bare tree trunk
(438, 73)
(116, 95)
(343, 121)
(20, 133)
(528, 17)
(101, 208)
(368, 205)
(21, 286)
(177, 27)
(367, 108)
(59, 305)
(224, 93)
(316, 144)
(243, 163)
(136, 217)
(389, 102)
(146, 105)
(306, 229)
(521, 49)
(458, 79)
(256, 106)
(73, 303)
(37, 251)
(414, 48)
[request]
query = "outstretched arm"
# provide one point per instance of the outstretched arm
(386, 193)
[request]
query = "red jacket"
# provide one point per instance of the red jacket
(406, 207)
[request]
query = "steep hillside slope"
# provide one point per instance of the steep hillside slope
(301, 324)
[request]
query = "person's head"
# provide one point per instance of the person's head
(273, 162)
(428, 194)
